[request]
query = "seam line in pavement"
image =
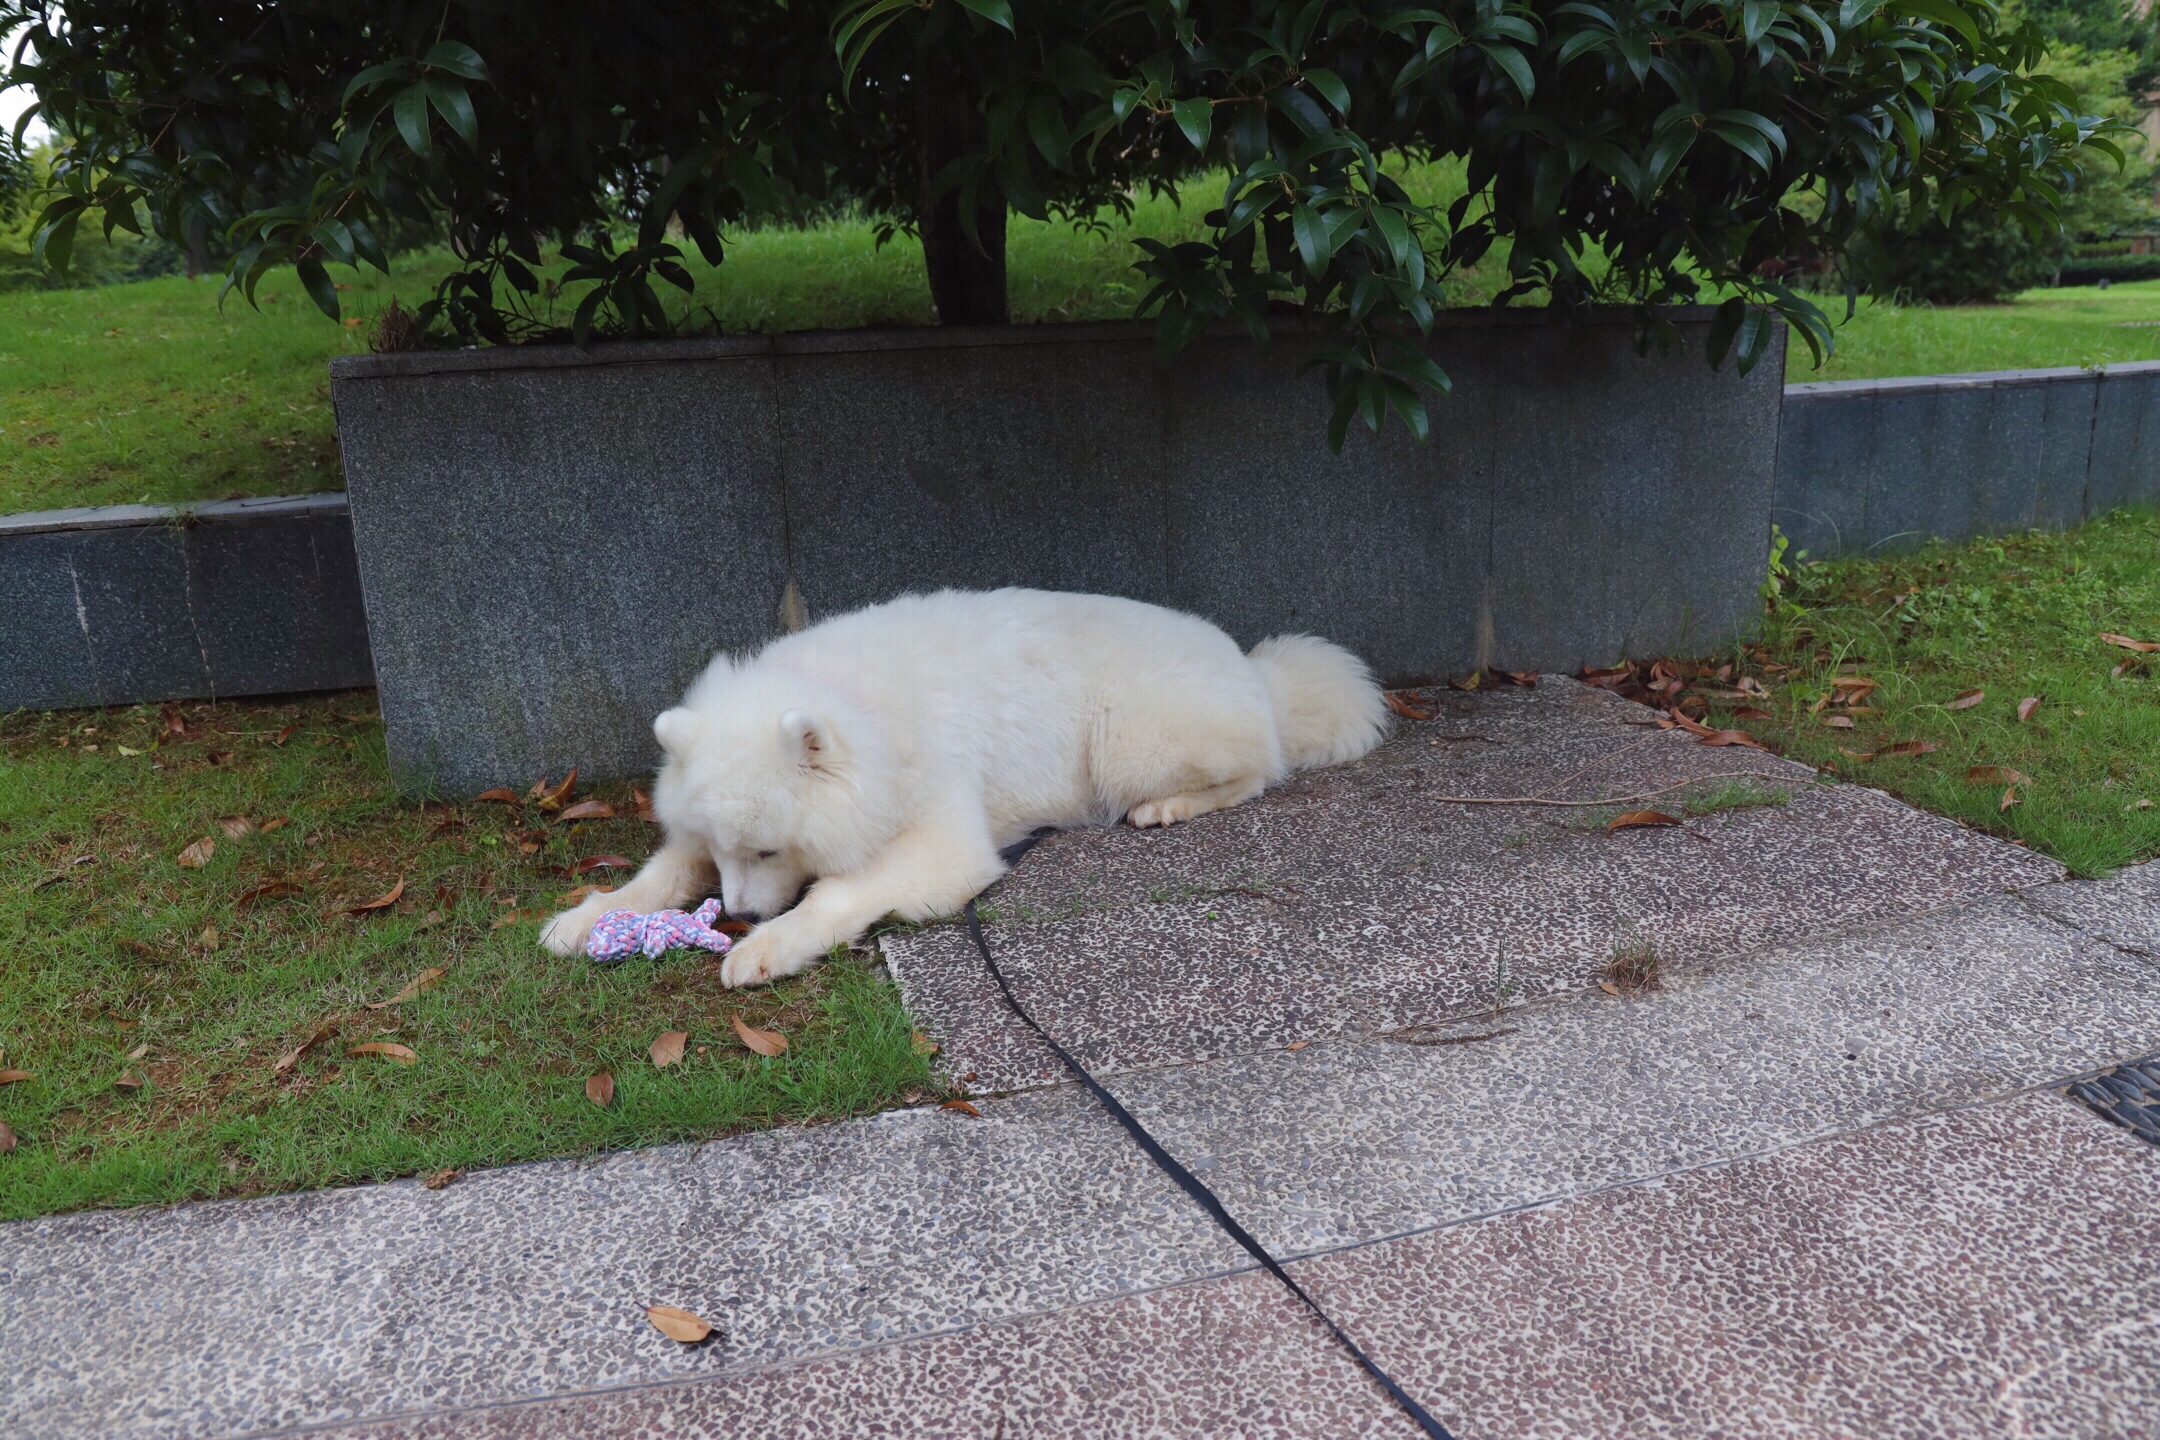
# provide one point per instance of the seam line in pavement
(2053, 1087)
(2137, 951)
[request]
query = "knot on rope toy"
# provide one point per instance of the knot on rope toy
(622, 933)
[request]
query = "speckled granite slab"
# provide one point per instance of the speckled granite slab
(1352, 901)
(522, 1284)
(1990, 1272)
(2123, 910)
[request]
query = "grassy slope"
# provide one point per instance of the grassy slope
(130, 949)
(2017, 617)
(2080, 326)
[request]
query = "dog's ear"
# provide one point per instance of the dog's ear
(675, 729)
(810, 737)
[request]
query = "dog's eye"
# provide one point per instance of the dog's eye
(766, 854)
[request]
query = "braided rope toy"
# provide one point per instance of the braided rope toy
(622, 933)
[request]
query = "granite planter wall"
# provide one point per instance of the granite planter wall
(553, 542)
(122, 603)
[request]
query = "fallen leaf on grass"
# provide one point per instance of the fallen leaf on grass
(1639, 817)
(276, 822)
(577, 896)
(126, 750)
(129, 1081)
(587, 810)
(442, 1177)
(2026, 707)
(2143, 647)
(389, 1050)
(285, 734)
(668, 1049)
(381, 902)
(962, 1106)
(271, 891)
(7, 1138)
(1906, 747)
(732, 927)
(599, 862)
(198, 854)
(10, 1077)
(219, 757)
(1993, 775)
(174, 725)
(765, 1042)
(2137, 805)
(1403, 707)
(1752, 712)
(423, 981)
(1731, 737)
(1966, 700)
(553, 799)
(505, 797)
(641, 803)
(1839, 722)
(676, 1324)
(600, 1089)
(322, 1033)
(138, 1052)
(516, 917)
(236, 827)
(2010, 797)
(922, 1044)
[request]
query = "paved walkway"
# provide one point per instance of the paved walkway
(1821, 1183)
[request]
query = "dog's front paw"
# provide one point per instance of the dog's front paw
(566, 934)
(1171, 811)
(764, 955)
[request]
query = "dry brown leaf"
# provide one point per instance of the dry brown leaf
(219, 757)
(1297, 1045)
(1906, 747)
(174, 725)
(732, 927)
(2143, 647)
(1469, 682)
(765, 1042)
(1639, 817)
(1993, 775)
(276, 822)
(1857, 754)
(2137, 805)
(236, 827)
(668, 1049)
(641, 803)
(269, 891)
(588, 810)
(138, 1052)
(962, 1106)
(388, 1049)
(322, 1033)
(1731, 737)
(10, 1077)
(425, 980)
(506, 797)
(2026, 707)
(1966, 700)
(2010, 797)
(922, 1044)
(1608, 987)
(198, 854)
(129, 1081)
(283, 735)
(600, 1089)
(1752, 712)
(1403, 707)
(516, 917)
(679, 1325)
(598, 862)
(577, 895)
(381, 902)
(555, 799)
(7, 1138)
(1525, 678)
(443, 1177)
(1839, 722)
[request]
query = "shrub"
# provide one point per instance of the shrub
(2115, 269)
(1648, 151)
(1973, 258)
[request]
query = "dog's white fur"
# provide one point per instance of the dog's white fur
(889, 754)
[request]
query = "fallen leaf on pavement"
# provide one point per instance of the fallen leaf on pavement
(600, 1089)
(270, 891)
(1906, 747)
(9, 1077)
(1731, 737)
(1403, 707)
(962, 1106)
(388, 1049)
(1639, 817)
(1966, 700)
(598, 862)
(236, 827)
(1993, 775)
(1608, 987)
(922, 1044)
(506, 797)
(381, 902)
(1525, 678)
(1468, 682)
(2143, 647)
(668, 1049)
(423, 981)
(587, 810)
(1297, 1045)
(765, 1042)
(2026, 706)
(676, 1324)
(443, 1177)
(198, 854)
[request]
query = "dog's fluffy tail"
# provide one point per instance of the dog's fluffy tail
(1327, 705)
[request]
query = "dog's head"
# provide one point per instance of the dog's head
(780, 779)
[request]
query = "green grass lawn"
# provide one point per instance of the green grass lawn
(120, 963)
(2013, 619)
(150, 392)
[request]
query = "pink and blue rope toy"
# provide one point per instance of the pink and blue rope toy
(622, 933)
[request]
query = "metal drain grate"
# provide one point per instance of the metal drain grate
(2129, 1095)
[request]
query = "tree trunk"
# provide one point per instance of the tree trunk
(967, 274)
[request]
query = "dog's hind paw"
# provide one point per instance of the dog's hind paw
(1161, 812)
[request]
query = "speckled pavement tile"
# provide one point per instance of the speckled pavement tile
(520, 1284)
(2123, 910)
(1990, 1272)
(1351, 901)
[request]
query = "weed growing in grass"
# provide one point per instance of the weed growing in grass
(2015, 619)
(1730, 795)
(116, 957)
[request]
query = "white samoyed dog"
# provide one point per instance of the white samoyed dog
(884, 758)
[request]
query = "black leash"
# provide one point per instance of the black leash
(1190, 1183)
